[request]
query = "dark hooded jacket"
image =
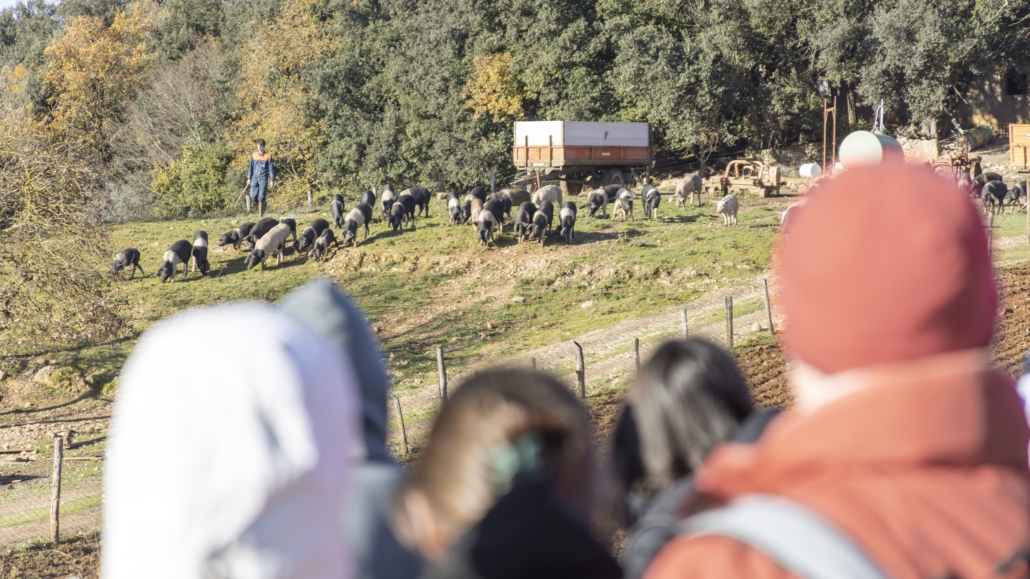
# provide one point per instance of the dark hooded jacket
(325, 309)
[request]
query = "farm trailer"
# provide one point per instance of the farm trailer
(581, 153)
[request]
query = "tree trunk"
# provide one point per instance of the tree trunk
(852, 112)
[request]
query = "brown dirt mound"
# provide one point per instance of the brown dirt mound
(74, 557)
(765, 369)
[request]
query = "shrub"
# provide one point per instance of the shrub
(195, 183)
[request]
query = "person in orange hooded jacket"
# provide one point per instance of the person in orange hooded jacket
(902, 435)
(260, 176)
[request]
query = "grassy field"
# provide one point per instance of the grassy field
(436, 285)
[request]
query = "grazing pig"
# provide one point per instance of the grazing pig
(597, 200)
(337, 208)
(273, 241)
(651, 198)
(259, 230)
(542, 220)
(993, 196)
(517, 196)
(321, 248)
(293, 226)
(612, 191)
(422, 197)
(624, 204)
(125, 258)
(495, 207)
(524, 220)
(389, 198)
(178, 252)
(728, 208)
(310, 234)
(199, 253)
(487, 224)
(1016, 195)
(479, 192)
(550, 193)
(368, 197)
(236, 236)
(505, 202)
(567, 219)
(687, 187)
(358, 217)
(475, 207)
(454, 208)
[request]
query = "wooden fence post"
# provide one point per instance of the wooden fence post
(400, 418)
(990, 234)
(443, 374)
(683, 322)
(309, 197)
(493, 180)
(729, 322)
(534, 363)
(636, 352)
(768, 306)
(55, 498)
(580, 370)
(439, 182)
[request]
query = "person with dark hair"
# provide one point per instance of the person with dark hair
(905, 452)
(688, 398)
(507, 486)
(260, 175)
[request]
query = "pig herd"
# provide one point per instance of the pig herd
(537, 217)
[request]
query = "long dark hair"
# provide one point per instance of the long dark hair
(688, 398)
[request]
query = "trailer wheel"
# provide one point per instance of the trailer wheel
(613, 177)
(570, 188)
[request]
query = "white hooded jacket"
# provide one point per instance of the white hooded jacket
(230, 451)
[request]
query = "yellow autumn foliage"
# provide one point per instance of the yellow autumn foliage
(93, 72)
(494, 89)
(272, 97)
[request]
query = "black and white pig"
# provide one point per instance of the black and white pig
(454, 208)
(368, 197)
(524, 220)
(388, 199)
(651, 198)
(126, 258)
(1016, 195)
(542, 220)
(624, 204)
(337, 208)
(488, 223)
(310, 234)
(178, 252)
(321, 247)
(199, 254)
(496, 207)
(272, 242)
(567, 219)
(993, 195)
(293, 225)
(259, 230)
(479, 192)
(358, 217)
(598, 199)
(422, 197)
(236, 236)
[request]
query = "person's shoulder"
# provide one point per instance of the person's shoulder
(256, 156)
(713, 556)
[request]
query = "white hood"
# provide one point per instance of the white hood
(229, 451)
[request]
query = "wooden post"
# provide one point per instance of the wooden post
(534, 363)
(768, 306)
(580, 370)
(55, 497)
(683, 321)
(493, 180)
(729, 322)
(443, 374)
(636, 352)
(400, 418)
(990, 234)
(309, 197)
(439, 182)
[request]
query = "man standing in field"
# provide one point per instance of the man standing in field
(260, 175)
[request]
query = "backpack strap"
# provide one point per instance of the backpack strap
(794, 536)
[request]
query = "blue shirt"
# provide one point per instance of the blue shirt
(261, 167)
